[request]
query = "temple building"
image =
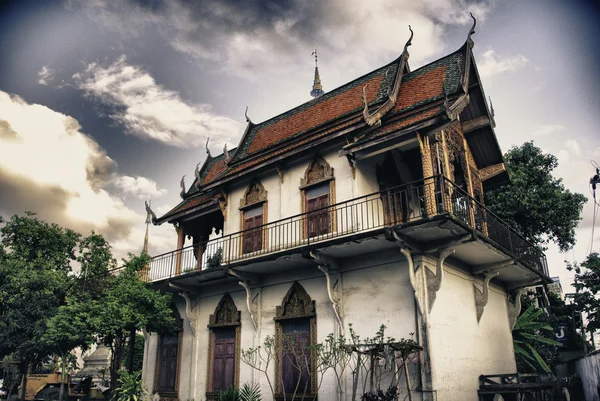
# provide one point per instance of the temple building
(362, 206)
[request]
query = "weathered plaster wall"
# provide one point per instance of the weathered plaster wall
(374, 290)
(461, 348)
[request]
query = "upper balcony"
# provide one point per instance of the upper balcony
(428, 215)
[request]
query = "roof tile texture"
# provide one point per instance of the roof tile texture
(316, 115)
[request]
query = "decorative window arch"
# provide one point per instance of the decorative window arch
(317, 192)
(253, 215)
(295, 334)
(168, 361)
(223, 348)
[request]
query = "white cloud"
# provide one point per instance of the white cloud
(148, 110)
(493, 64)
(49, 166)
(547, 129)
(140, 187)
(46, 75)
(573, 146)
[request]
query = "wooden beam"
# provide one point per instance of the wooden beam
(491, 171)
(475, 123)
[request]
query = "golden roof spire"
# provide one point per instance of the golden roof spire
(317, 89)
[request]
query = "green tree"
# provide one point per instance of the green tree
(535, 203)
(129, 304)
(35, 266)
(587, 288)
(68, 329)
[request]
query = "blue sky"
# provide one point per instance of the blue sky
(106, 103)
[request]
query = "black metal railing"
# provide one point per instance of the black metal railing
(392, 207)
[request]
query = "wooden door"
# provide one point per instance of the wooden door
(318, 219)
(223, 364)
(253, 238)
(295, 356)
(167, 373)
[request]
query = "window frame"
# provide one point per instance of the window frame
(296, 304)
(318, 172)
(254, 197)
(226, 315)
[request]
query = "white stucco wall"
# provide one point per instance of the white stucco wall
(374, 289)
(461, 348)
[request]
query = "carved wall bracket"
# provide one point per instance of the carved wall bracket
(434, 281)
(223, 204)
(251, 305)
(333, 294)
(352, 163)
(514, 308)
(481, 298)
(191, 311)
(413, 280)
(279, 169)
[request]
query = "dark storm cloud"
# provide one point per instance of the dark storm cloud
(19, 194)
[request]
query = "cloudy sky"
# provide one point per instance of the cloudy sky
(105, 103)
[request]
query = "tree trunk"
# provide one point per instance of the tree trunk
(115, 362)
(24, 370)
(61, 393)
(131, 352)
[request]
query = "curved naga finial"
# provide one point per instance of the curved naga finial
(182, 185)
(472, 31)
(374, 119)
(197, 174)
(206, 146)
(246, 115)
(226, 154)
(150, 212)
(408, 42)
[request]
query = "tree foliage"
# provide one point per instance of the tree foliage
(587, 288)
(535, 203)
(48, 307)
(129, 304)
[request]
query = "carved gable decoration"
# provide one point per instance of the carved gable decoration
(226, 313)
(255, 193)
(296, 304)
(318, 171)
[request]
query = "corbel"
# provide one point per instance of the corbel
(411, 273)
(190, 312)
(243, 276)
(481, 298)
(223, 204)
(514, 308)
(324, 264)
(434, 281)
(251, 304)
(279, 169)
(352, 163)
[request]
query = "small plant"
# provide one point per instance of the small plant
(389, 395)
(248, 393)
(231, 394)
(130, 387)
(214, 260)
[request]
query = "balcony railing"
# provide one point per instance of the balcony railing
(408, 203)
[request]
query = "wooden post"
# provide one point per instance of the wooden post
(180, 243)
